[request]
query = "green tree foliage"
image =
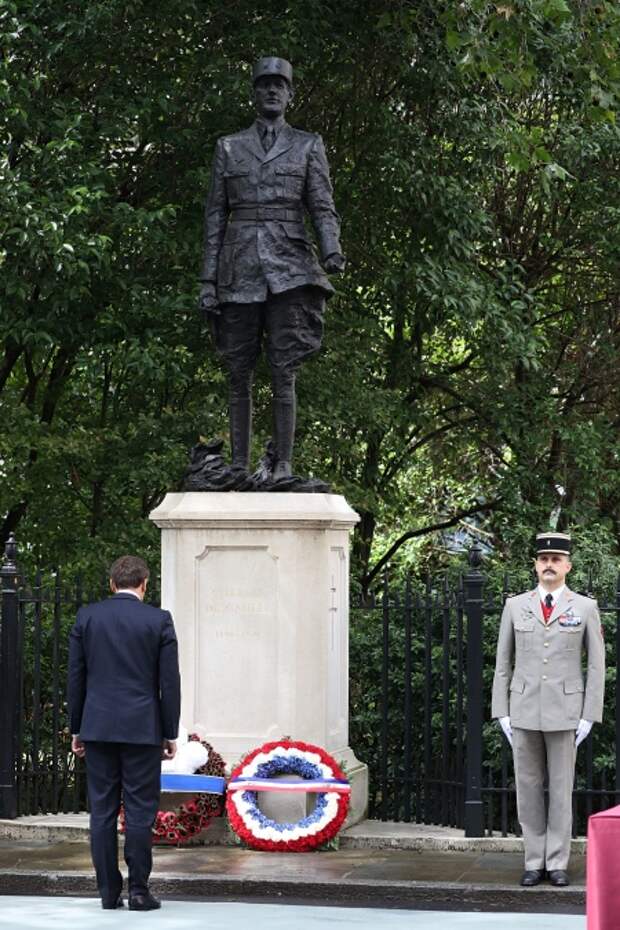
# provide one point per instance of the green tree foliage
(469, 367)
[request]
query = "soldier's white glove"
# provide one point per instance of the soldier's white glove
(504, 723)
(583, 731)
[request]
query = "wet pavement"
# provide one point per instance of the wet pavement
(335, 865)
(30, 913)
(375, 877)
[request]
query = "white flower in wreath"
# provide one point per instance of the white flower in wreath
(190, 756)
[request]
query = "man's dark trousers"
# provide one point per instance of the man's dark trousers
(137, 769)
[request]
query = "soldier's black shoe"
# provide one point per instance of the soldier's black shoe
(559, 878)
(532, 877)
(143, 902)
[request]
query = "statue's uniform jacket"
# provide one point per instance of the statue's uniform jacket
(538, 676)
(255, 237)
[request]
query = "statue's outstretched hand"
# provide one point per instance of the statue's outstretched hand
(207, 301)
(334, 263)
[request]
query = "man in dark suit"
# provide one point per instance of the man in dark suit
(261, 275)
(124, 703)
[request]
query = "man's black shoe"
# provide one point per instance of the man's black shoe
(143, 902)
(112, 905)
(559, 878)
(532, 877)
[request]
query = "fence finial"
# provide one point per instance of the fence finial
(475, 555)
(9, 563)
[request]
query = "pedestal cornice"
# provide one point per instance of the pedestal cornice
(230, 510)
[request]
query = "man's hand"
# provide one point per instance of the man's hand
(207, 302)
(504, 723)
(582, 732)
(334, 263)
(78, 747)
(168, 749)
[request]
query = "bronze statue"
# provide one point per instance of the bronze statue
(261, 278)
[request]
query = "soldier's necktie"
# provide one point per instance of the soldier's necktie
(548, 606)
(549, 601)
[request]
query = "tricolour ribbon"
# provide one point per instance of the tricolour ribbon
(313, 785)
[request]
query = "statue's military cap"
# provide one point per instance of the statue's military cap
(553, 542)
(268, 66)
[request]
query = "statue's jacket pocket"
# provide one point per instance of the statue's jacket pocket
(291, 176)
(297, 240)
(239, 185)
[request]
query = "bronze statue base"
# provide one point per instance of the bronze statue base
(208, 471)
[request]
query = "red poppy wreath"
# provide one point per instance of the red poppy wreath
(172, 828)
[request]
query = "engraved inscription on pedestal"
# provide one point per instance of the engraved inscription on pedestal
(236, 640)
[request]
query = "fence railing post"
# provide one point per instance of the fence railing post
(9, 678)
(473, 605)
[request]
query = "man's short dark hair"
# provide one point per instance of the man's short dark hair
(128, 572)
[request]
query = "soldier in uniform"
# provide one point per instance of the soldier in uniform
(542, 703)
(261, 278)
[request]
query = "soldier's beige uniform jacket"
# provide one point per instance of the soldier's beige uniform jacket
(539, 681)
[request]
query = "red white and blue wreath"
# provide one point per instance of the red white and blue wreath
(321, 775)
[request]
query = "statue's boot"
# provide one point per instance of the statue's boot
(284, 410)
(282, 477)
(240, 431)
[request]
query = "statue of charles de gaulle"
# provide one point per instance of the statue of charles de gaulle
(262, 281)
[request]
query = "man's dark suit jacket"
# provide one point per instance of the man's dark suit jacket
(123, 673)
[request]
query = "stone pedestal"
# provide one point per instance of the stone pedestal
(258, 585)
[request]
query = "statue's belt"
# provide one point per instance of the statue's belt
(264, 214)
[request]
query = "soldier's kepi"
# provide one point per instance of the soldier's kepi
(262, 279)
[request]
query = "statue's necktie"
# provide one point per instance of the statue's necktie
(269, 138)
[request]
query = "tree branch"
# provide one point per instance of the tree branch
(431, 528)
(12, 352)
(414, 445)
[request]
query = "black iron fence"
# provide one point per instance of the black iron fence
(38, 771)
(421, 667)
(416, 702)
